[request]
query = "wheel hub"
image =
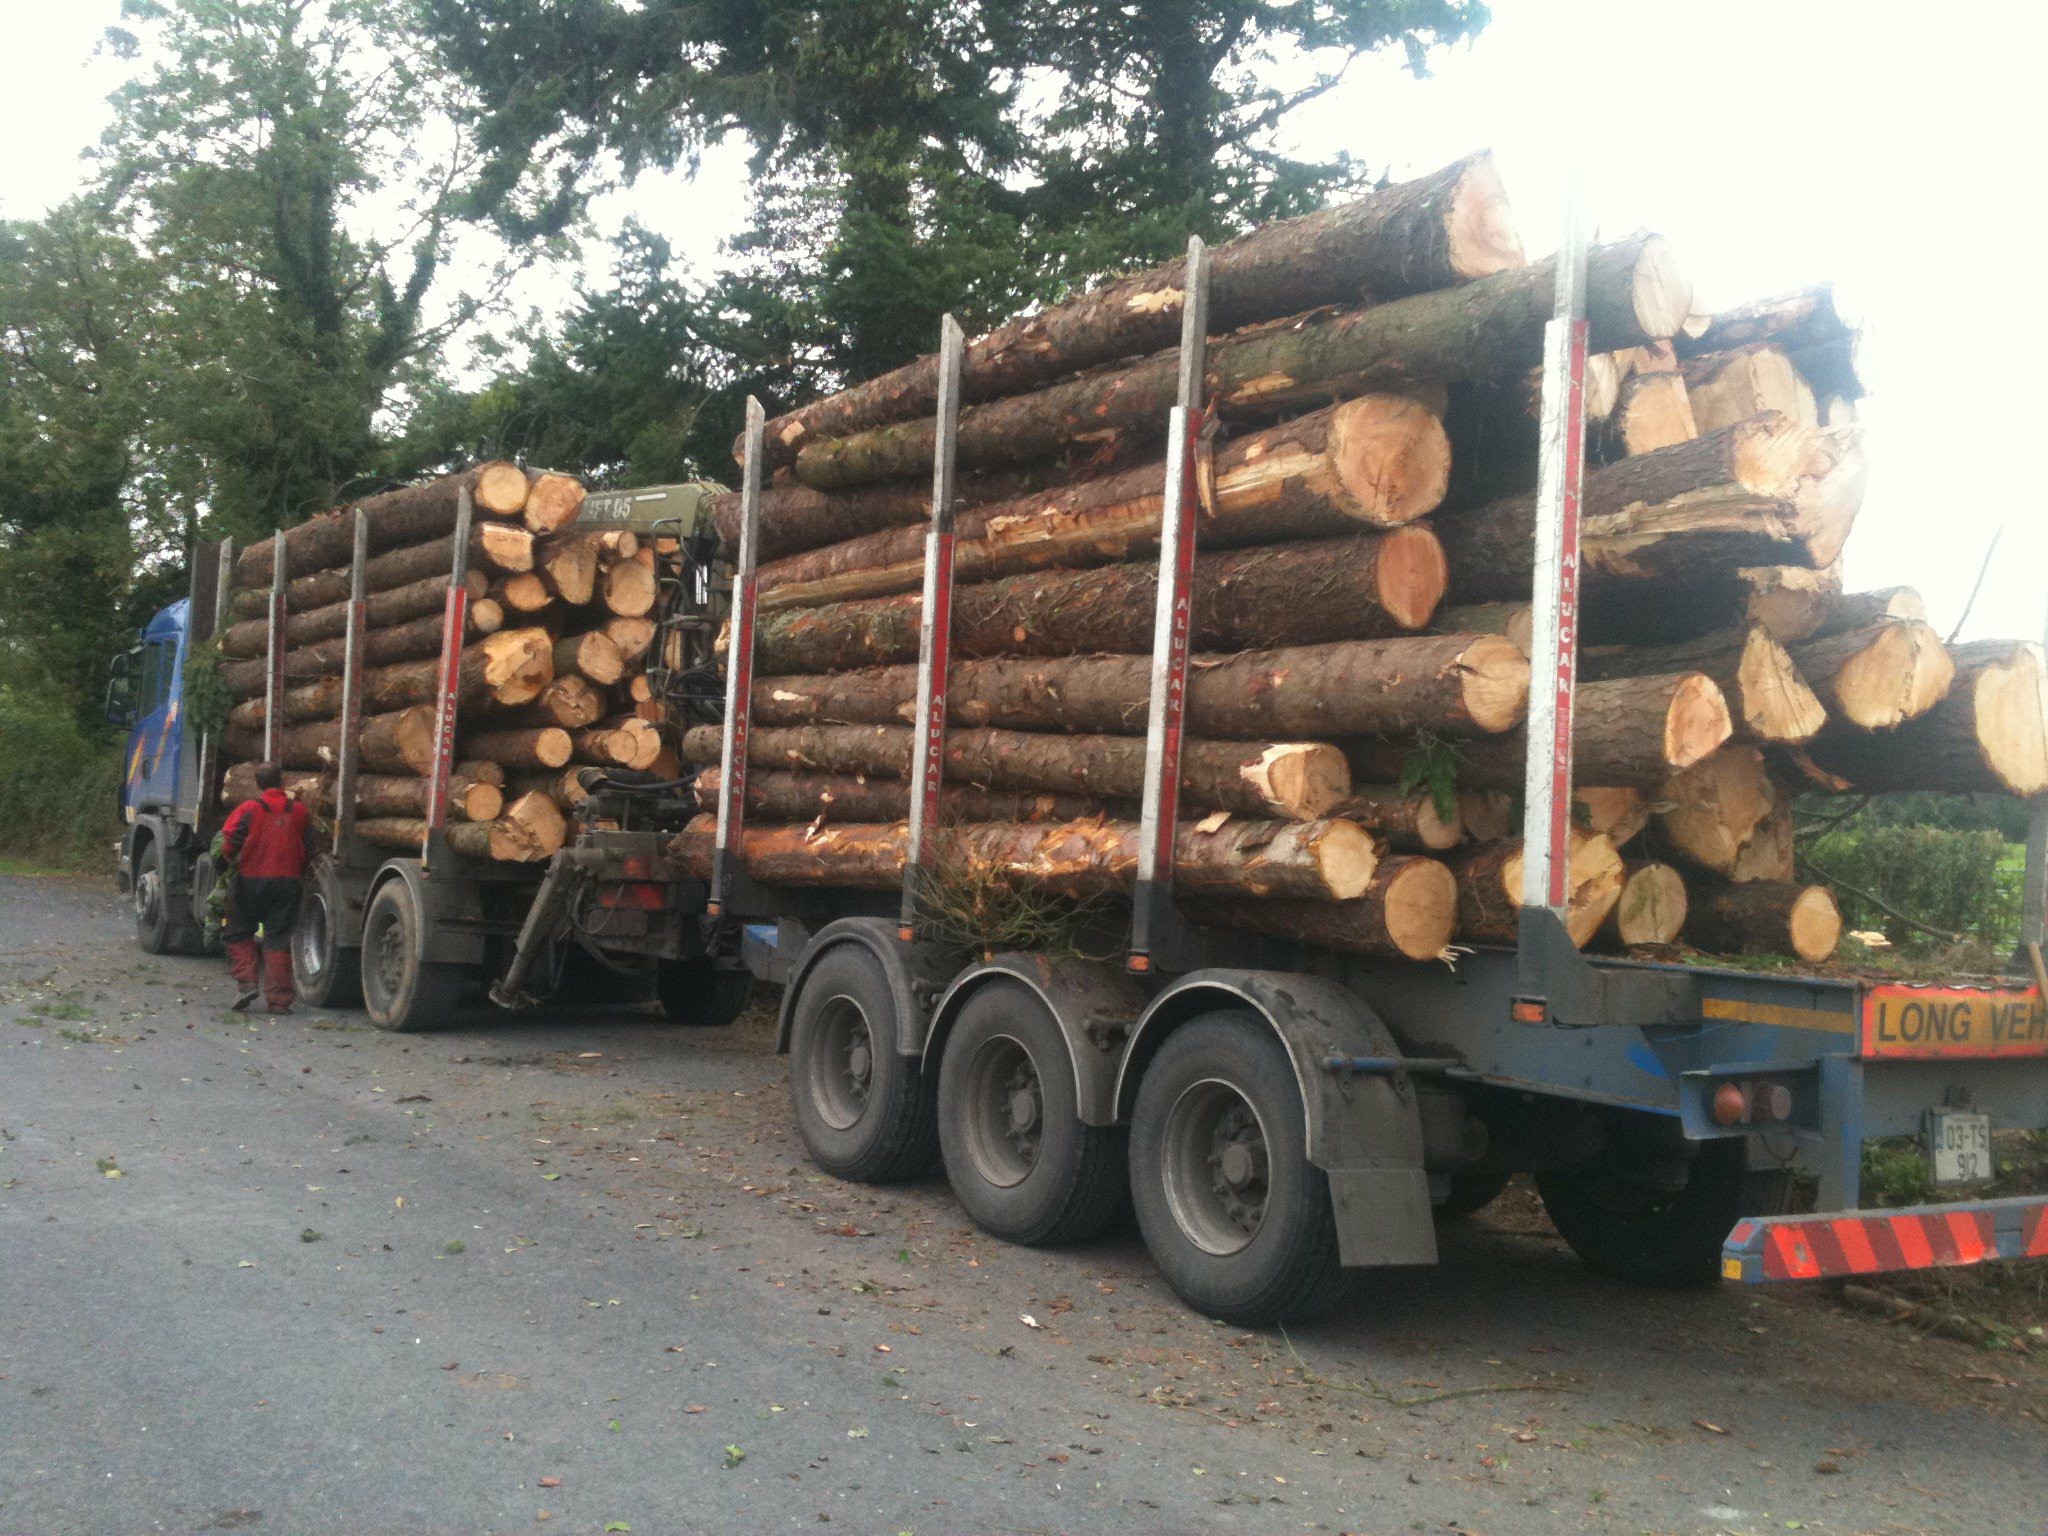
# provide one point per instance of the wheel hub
(147, 893)
(1006, 1111)
(1217, 1166)
(841, 1074)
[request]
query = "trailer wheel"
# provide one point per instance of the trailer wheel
(401, 992)
(161, 924)
(1648, 1235)
(698, 994)
(327, 974)
(1019, 1157)
(864, 1109)
(1236, 1216)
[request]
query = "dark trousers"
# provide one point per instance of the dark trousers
(269, 904)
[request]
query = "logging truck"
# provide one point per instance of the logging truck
(1002, 947)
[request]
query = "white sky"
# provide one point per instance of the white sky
(1777, 142)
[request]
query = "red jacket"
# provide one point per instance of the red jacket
(270, 837)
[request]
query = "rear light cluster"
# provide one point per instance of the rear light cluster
(1756, 1102)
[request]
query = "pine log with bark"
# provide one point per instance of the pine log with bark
(1651, 411)
(1490, 890)
(628, 588)
(493, 548)
(1988, 735)
(569, 567)
(546, 746)
(1490, 328)
(1379, 461)
(1767, 697)
(381, 610)
(1357, 587)
(1456, 685)
(414, 640)
(1295, 781)
(1714, 807)
(1877, 676)
(1438, 231)
(1488, 814)
(569, 701)
(1765, 491)
(1316, 860)
(1840, 612)
(1409, 912)
(552, 502)
(401, 742)
(633, 637)
(806, 797)
(1634, 731)
(564, 786)
(530, 830)
(1405, 818)
(1650, 910)
(1764, 918)
(1809, 327)
(795, 518)
(412, 514)
(592, 656)
(503, 670)
(1727, 387)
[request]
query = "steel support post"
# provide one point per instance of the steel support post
(454, 623)
(345, 768)
(739, 672)
(273, 672)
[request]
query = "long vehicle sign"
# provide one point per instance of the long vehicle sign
(1923, 1023)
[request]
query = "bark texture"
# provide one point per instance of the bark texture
(1764, 917)
(1878, 676)
(805, 797)
(409, 515)
(1490, 890)
(1409, 912)
(1767, 697)
(493, 547)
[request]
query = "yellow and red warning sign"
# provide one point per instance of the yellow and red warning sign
(1925, 1023)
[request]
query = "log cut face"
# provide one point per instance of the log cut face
(1378, 462)
(1330, 589)
(1407, 819)
(1651, 909)
(1409, 912)
(1727, 387)
(409, 515)
(1458, 685)
(1990, 734)
(1880, 675)
(1765, 917)
(1490, 890)
(1317, 860)
(1764, 492)
(1443, 229)
(1713, 807)
(1768, 698)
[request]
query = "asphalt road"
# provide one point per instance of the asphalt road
(565, 1274)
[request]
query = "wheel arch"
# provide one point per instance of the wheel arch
(437, 902)
(1093, 1003)
(900, 964)
(1364, 1130)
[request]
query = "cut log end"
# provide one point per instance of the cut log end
(1901, 671)
(1482, 238)
(500, 489)
(1391, 458)
(2011, 710)
(1495, 682)
(1816, 924)
(552, 502)
(1696, 722)
(1419, 898)
(1659, 291)
(1651, 909)
(1411, 574)
(1304, 780)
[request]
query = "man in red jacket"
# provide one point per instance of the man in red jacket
(269, 841)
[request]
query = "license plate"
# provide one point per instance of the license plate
(1960, 1145)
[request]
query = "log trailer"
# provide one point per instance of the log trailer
(1278, 1114)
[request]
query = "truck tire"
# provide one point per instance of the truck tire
(1020, 1160)
(401, 992)
(327, 974)
(1646, 1235)
(1235, 1215)
(696, 993)
(864, 1109)
(162, 925)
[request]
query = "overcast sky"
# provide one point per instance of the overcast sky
(1777, 142)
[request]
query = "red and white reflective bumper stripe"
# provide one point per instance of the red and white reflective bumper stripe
(1919, 1237)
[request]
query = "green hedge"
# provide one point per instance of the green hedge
(58, 784)
(1963, 882)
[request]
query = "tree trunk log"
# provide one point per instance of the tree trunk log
(545, 746)
(1408, 913)
(1441, 230)
(381, 610)
(1488, 814)
(493, 547)
(1295, 781)
(1764, 917)
(1455, 685)
(633, 637)
(807, 797)
(506, 669)
(412, 641)
(629, 588)
(1728, 387)
(409, 515)
(795, 518)
(1510, 619)
(1651, 411)
(1768, 852)
(552, 502)
(1490, 328)
(564, 786)
(1292, 594)
(398, 743)
(1379, 461)
(1405, 819)
(569, 701)
(1490, 890)
(1878, 676)
(1650, 910)
(1766, 696)
(1616, 812)
(1988, 735)
(1317, 860)
(1822, 344)
(1714, 807)
(527, 592)
(1841, 611)
(1634, 731)
(569, 566)
(1766, 491)
(591, 656)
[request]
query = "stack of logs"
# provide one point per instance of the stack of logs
(1360, 600)
(552, 674)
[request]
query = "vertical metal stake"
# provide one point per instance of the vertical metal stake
(935, 629)
(454, 622)
(351, 691)
(1554, 637)
(273, 676)
(209, 744)
(1153, 919)
(739, 670)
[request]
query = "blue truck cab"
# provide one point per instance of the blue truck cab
(165, 831)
